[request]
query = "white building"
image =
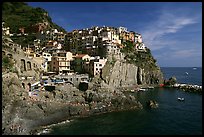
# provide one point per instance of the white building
(106, 35)
(88, 41)
(96, 65)
(122, 29)
(59, 46)
(47, 59)
(115, 38)
(138, 38)
(140, 46)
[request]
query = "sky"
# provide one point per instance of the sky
(172, 30)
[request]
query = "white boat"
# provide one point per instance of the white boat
(186, 73)
(150, 87)
(180, 99)
(194, 68)
(142, 89)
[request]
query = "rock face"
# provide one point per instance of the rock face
(123, 74)
(21, 114)
(152, 104)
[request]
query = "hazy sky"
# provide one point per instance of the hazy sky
(172, 30)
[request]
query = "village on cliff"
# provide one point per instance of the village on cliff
(87, 52)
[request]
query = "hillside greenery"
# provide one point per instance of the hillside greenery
(143, 59)
(8, 64)
(19, 14)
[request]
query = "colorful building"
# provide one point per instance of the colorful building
(60, 62)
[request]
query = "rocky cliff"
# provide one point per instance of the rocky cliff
(22, 115)
(123, 74)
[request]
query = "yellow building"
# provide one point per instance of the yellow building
(29, 51)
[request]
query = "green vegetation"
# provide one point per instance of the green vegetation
(113, 60)
(144, 59)
(171, 81)
(19, 14)
(24, 40)
(128, 48)
(77, 63)
(7, 64)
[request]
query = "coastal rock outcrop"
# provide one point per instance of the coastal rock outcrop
(123, 74)
(22, 115)
(152, 104)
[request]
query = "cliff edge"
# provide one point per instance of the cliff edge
(136, 68)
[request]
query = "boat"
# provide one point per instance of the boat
(186, 73)
(150, 87)
(194, 68)
(180, 99)
(142, 89)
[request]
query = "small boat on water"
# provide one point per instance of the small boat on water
(150, 87)
(186, 73)
(194, 68)
(180, 99)
(142, 89)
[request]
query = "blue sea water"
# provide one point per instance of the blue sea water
(171, 118)
(189, 75)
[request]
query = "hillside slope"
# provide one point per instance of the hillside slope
(19, 15)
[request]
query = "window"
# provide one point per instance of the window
(96, 68)
(100, 65)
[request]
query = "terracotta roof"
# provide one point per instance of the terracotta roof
(80, 55)
(120, 45)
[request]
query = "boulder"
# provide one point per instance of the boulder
(152, 104)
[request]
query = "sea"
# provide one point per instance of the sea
(172, 117)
